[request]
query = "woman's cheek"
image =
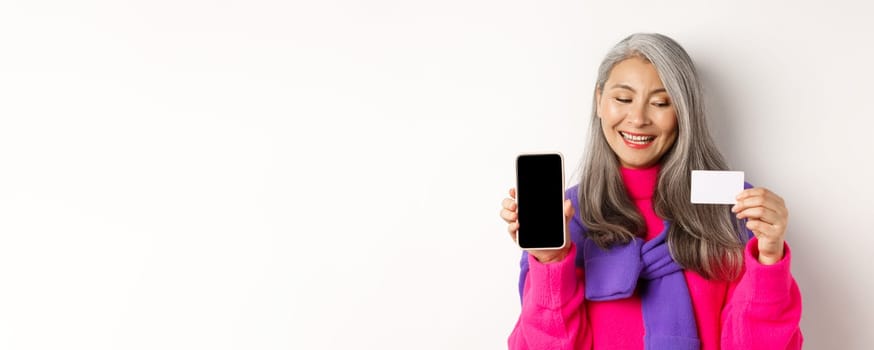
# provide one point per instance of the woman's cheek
(614, 110)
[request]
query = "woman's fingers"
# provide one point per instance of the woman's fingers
(508, 215)
(760, 197)
(757, 196)
(568, 215)
(568, 210)
(509, 204)
(508, 210)
(760, 228)
(767, 217)
(765, 214)
(748, 202)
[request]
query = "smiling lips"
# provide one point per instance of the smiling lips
(638, 141)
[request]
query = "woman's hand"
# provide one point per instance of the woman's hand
(508, 213)
(766, 216)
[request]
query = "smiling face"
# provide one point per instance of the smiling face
(637, 116)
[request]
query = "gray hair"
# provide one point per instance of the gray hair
(704, 238)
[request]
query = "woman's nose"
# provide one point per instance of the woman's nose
(637, 116)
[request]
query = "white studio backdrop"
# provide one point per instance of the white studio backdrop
(328, 174)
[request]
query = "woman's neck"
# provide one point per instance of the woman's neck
(640, 183)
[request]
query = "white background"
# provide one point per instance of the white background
(327, 174)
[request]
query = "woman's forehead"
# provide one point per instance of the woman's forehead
(634, 74)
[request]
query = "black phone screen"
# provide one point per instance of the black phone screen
(540, 201)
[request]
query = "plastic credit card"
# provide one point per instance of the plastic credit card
(716, 187)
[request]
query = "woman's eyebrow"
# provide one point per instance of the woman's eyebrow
(622, 86)
(628, 87)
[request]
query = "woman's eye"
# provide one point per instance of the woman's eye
(623, 100)
(661, 104)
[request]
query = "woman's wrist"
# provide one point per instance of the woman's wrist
(769, 260)
(770, 253)
(553, 256)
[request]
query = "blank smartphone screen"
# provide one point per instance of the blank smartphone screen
(540, 201)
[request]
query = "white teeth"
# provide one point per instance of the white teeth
(636, 139)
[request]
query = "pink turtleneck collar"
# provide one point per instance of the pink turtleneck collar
(640, 183)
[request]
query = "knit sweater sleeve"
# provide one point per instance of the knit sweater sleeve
(763, 308)
(553, 308)
(553, 311)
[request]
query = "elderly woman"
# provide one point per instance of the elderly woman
(645, 268)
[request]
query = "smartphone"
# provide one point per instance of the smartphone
(540, 201)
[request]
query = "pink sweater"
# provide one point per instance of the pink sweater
(759, 310)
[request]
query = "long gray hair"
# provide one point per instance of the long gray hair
(704, 238)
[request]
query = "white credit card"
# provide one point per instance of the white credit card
(716, 187)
